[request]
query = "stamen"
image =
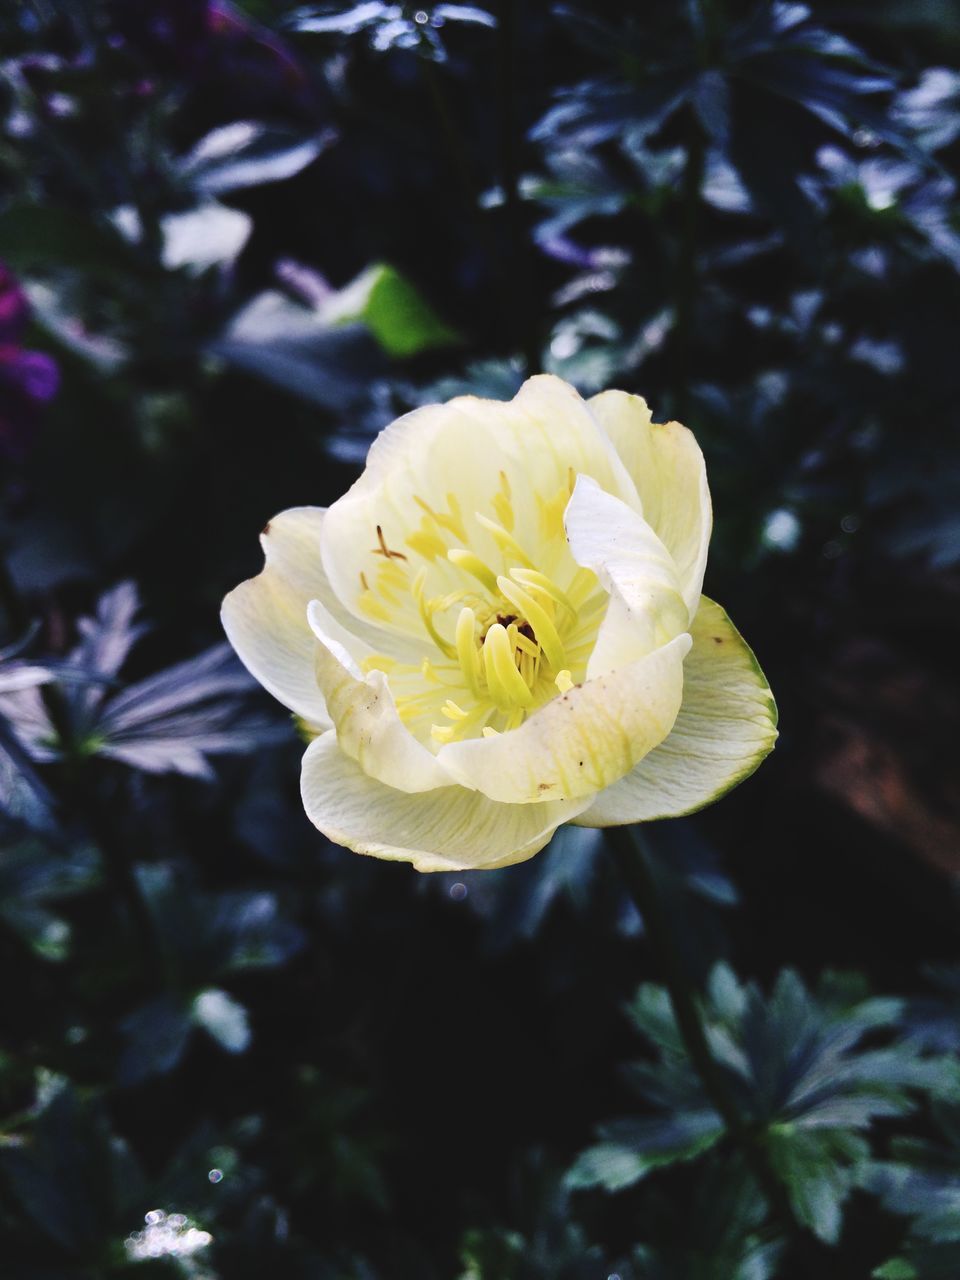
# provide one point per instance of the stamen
(526, 645)
(453, 711)
(442, 732)
(467, 651)
(427, 671)
(564, 681)
(507, 687)
(490, 732)
(502, 504)
(395, 574)
(377, 662)
(505, 540)
(384, 550)
(536, 581)
(385, 585)
(456, 516)
(453, 523)
(372, 607)
(546, 633)
(427, 609)
(474, 566)
(426, 543)
(551, 514)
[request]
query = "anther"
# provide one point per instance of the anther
(546, 633)
(474, 566)
(507, 686)
(467, 653)
(384, 550)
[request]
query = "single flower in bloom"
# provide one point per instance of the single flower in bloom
(499, 628)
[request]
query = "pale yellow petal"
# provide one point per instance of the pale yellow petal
(450, 829)
(265, 618)
(646, 608)
(366, 720)
(291, 545)
(726, 726)
(667, 467)
(435, 476)
(582, 740)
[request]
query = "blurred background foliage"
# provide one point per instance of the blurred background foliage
(237, 239)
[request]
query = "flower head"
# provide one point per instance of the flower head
(499, 628)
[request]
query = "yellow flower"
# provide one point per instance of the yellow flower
(499, 628)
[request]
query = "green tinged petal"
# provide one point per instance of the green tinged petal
(725, 727)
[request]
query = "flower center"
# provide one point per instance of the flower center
(509, 621)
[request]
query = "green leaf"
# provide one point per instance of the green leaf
(633, 1148)
(818, 1170)
(716, 1231)
(895, 1269)
(402, 322)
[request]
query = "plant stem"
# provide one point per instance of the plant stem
(633, 862)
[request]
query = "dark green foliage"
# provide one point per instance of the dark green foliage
(238, 239)
(806, 1086)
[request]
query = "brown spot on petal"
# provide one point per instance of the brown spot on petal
(265, 530)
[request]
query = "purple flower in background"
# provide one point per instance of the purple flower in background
(214, 44)
(28, 379)
(13, 308)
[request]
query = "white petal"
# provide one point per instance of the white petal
(265, 618)
(646, 609)
(363, 711)
(726, 726)
(581, 741)
(292, 545)
(449, 829)
(667, 467)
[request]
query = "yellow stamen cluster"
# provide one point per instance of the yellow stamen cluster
(507, 641)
